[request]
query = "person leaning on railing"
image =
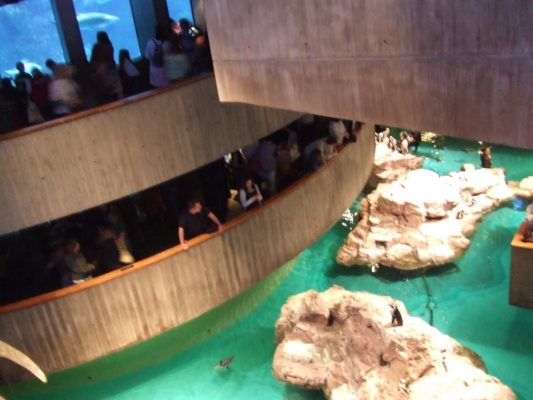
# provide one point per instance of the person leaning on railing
(196, 220)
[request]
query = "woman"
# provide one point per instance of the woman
(102, 52)
(78, 269)
(106, 78)
(129, 74)
(249, 195)
(155, 54)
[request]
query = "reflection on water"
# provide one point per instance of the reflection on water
(466, 299)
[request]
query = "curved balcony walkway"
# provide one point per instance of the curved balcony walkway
(82, 322)
(99, 155)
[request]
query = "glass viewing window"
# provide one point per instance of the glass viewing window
(178, 9)
(113, 17)
(30, 35)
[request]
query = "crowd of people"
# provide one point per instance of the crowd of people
(178, 51)
(81, 246)
(407, 139)
(413, 139)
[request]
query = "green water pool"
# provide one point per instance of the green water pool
(467, 300)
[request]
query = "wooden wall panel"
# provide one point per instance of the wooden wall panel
(521, 281)
(457, 67)
(88, 161)
(96, 320)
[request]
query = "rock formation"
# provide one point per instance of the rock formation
(524, 188)
(423, 219)
(346, 344)
(391, 165)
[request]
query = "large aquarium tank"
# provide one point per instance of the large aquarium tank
(467, 299)
(178, 9)
(31, 34)
(112, 16)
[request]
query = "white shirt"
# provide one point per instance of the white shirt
(62, 92)
(338, 131)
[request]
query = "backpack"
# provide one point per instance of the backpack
(157, 56)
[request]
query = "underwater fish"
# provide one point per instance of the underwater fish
(225, 362)
(95, 21)
(28, 66)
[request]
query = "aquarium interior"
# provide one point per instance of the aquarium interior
(467, 300)
(33, 35)
(30, 35)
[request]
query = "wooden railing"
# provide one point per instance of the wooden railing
(91, 158)
(44, 126)
(152, 260)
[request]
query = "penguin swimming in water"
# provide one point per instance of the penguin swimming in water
(225, 362)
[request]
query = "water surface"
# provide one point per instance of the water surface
(467, 300)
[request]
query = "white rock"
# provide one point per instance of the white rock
(358, 353)
(422, 220)
(299, 350)
(527, 184)
(343, 392)
(468, 167)
(391, 165)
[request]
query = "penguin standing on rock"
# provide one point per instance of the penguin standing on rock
(397, 319)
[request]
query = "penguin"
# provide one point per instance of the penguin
(397, 319)
(225, 363)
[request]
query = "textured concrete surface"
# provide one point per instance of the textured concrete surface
(457, 67)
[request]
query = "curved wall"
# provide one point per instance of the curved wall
(79, 323)
(457, 67)
(100, 155)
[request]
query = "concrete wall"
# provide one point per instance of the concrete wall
(457, 67)
(72, 165)
(106, 314)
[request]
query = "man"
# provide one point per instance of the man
(195, 221)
